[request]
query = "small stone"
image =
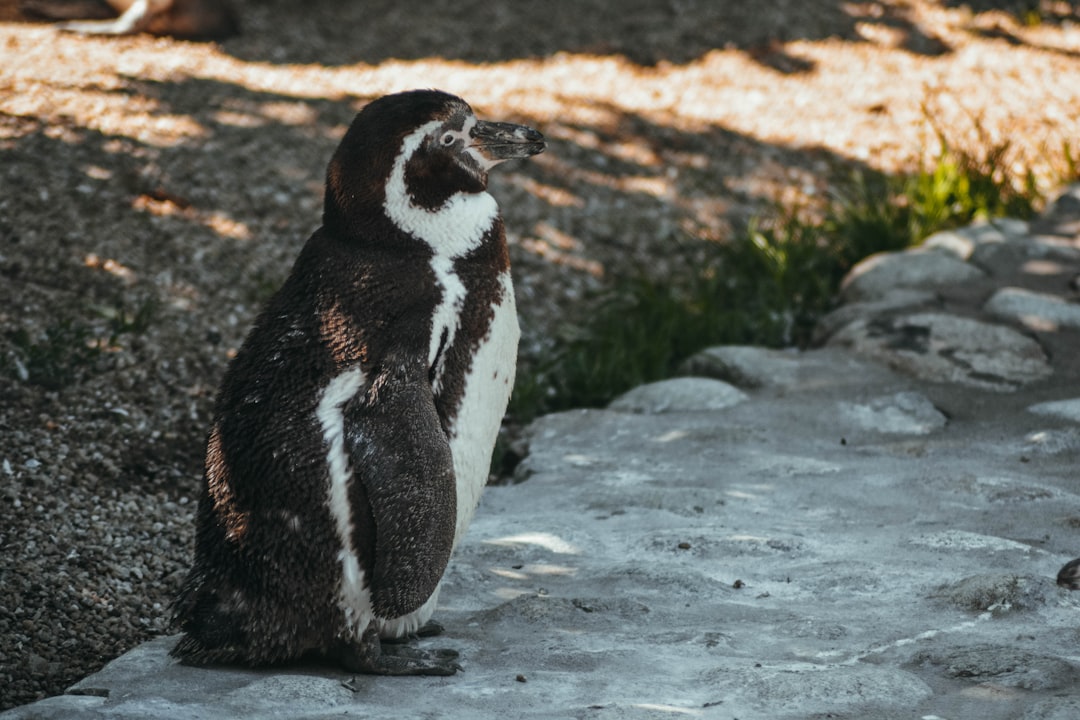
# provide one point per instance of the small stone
(949, 349)
(1053, 442)
(1035, 311)
(997, 593)
(1001, 665)
(952, 242)
(1064, 409)
(741, 365)
(909, 413)
(918, 269)
(679, 395)
(894, 300)
(1062, 216)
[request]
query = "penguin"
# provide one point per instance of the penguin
(186, 19)
(353, 430)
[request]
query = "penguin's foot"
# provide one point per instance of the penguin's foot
(1069, 576)
(371, 657)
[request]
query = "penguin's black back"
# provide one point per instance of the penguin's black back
(266, 449)
(361, 297)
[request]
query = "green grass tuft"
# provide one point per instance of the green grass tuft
(771, 285)
(1071, 172)
(57, 357)
(68, 348)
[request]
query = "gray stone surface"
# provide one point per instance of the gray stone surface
(866, 530)
(963, 242)
(891, 301)
(1067, 409)
(1002, 665)
(1034, 310)
(902, 413)
(755, 367)
(685, 394)
(785, 557)
(944, 348)
(1062, 217)
(919, 269)
(997, 592)
(745, 366)
(1056, 709)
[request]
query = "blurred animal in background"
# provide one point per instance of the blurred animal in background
(186, 19)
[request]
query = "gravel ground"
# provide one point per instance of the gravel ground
(154, 192)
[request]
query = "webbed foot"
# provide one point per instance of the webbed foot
(370, 656)
(1069, 576)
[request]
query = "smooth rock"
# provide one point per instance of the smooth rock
(917, 269)
(745, 366)
(949, 349)
(780, 558)
(998, 592)
(962, 242)
(1055, 441)
(1054, 708)
(962, 541)
(905, 413)
(890, 302)
(808, 688)
(1036, 311)
(1064, 409)
(961, 245)
(1001, 665)
(783, 370)
(686, 394)
(1010, 490)
(1062, 216)
(1032, 257)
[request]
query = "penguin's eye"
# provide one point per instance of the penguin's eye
(448, 139)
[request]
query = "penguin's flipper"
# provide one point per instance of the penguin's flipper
(399, 452)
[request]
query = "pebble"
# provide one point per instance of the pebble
(688, 394)
(879, 274)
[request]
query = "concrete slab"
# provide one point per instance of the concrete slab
(779, 558)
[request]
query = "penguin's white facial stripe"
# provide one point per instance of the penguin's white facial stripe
(353, 598)
(452, 229)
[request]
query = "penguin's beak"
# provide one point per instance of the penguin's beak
(498, 141)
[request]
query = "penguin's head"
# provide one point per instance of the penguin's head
(421, 147)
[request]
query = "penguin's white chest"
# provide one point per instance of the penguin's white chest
(488, 384)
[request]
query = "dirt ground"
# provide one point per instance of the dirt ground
(153, 193)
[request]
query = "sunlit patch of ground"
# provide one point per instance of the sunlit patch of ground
(867, 101)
